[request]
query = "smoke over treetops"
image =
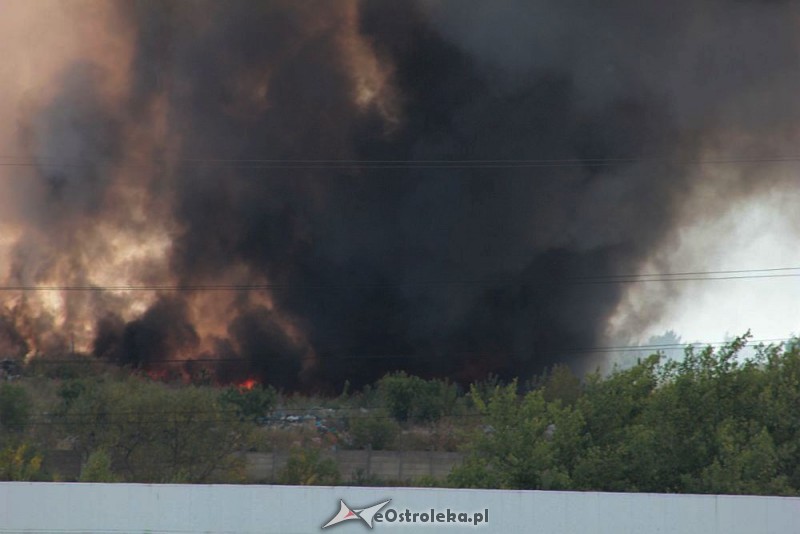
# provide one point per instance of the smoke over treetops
(339, 189)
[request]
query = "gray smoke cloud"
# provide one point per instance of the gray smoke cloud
(451, 272)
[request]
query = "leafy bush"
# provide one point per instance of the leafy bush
(69, 391)
(361, 478)
(305, 467)
(413, 398)
(376, 431)
(250, 404)
(15, 407)
(19, 463)
(97, 468)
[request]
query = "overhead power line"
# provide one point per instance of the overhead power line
(283, 164)
(682, 279)
(692, 273)
(332, 357)
(739, 274)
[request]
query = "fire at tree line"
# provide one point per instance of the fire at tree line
(713, 421)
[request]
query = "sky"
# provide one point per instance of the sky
(759, 233)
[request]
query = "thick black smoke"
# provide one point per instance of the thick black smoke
(456, 271)
(162, 333)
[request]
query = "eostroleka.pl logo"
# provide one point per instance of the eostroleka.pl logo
(372, 514)
(364, 514)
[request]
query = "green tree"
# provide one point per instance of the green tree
(562, 384)
(158, 433)
(746, 463)
(777, 405)
(695, 396)
(525, 445)
(619, 453)
(15, 407)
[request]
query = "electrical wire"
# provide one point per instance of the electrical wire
(331, 358)
(682, 276)
(454, 163)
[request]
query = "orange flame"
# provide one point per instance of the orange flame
(248, 384)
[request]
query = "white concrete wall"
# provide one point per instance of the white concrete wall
(116, 508)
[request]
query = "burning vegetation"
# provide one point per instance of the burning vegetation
(304, 193)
